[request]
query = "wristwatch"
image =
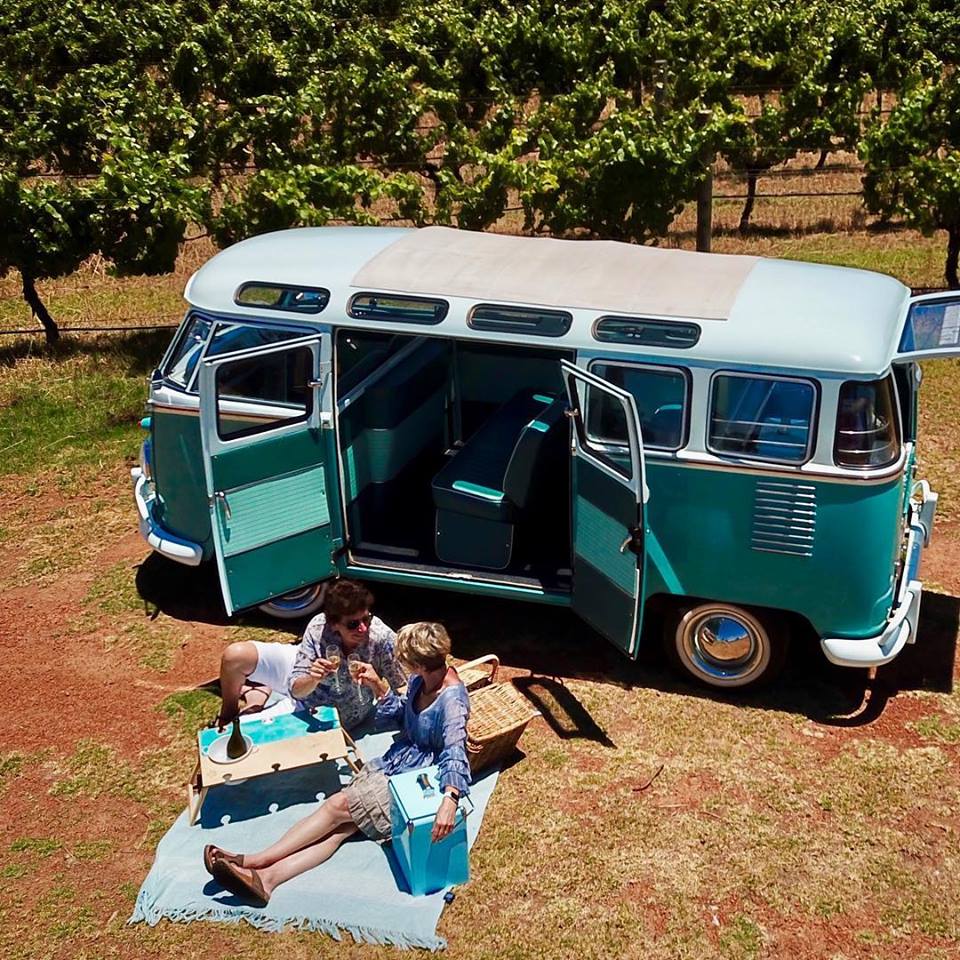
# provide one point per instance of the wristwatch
(454, 795)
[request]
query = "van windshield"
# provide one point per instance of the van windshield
(183, 360)
(227, 338)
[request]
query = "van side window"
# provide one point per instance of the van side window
(390, 308)
(277, 382)
(761, 418)
(230, 337)
(276, 297)
(660, 394)
(868, 428)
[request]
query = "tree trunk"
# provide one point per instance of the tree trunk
(705, 211)
(30, 294)
(823, 159)
(748, 206)
(953, 252)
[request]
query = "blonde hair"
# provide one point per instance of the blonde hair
(423, 645)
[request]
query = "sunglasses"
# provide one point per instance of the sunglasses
(366, 620)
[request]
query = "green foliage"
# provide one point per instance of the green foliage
(913, 162)
(124, 124)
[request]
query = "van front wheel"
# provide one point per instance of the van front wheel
(297, 603)
(725, 646)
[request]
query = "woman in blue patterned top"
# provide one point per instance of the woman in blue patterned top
(433, 715)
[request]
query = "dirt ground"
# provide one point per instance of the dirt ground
(91, 772)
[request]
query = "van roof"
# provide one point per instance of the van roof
(752, 311)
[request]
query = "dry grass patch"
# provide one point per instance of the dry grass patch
(121, 620)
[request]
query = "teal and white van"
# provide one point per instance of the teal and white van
(609, 427)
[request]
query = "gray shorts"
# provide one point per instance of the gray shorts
(368, 800)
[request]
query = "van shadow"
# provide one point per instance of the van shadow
(193, 594)
(181, 592)
(553, 645)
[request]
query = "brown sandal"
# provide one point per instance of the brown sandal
(211, 854)
(246, 887)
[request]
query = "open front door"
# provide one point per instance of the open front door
(931, 328)
(261, 418)
(608, 498)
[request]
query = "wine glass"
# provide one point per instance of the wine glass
(355, 667)
(333, 656)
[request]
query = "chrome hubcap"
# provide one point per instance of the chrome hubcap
(297, 599)
(724, 647)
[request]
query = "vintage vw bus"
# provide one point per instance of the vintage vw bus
(592, 424)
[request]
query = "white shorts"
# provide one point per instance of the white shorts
(274, 664)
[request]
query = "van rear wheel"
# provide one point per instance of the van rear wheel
(725, 646)
(297, 603)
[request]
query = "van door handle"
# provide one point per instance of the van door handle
(222, 497)
(634, 542)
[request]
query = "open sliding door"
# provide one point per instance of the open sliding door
(608, 522)
(262, 413)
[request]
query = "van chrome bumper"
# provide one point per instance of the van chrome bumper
(901, 627)
(169, 544)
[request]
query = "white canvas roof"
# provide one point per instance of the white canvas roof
(754, 312)
(598, 275)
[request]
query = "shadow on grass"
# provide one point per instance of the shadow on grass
(181, 592)
(553, 645)
(137, 353)
(564, 713)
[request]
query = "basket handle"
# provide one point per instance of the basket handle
(491, 658)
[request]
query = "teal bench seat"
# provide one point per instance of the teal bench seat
(482, 492)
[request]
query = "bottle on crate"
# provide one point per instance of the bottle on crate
(236, 745)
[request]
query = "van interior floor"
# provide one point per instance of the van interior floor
(555, 581)
(393, 527)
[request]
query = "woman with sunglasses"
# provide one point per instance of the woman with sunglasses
(345, 633)
(433, 716)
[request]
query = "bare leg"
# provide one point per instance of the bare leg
(238, 661)
(305, 859)
(253, 697)
(332, 815)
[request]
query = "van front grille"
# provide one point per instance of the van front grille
(784, 517)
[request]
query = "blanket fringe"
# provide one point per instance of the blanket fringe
(146, 911)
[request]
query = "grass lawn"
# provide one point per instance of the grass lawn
(817, 819)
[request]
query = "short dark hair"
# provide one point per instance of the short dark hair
(346, 596)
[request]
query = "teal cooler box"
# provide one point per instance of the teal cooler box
(427, 866)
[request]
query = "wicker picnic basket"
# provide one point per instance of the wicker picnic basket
(498, 716)
(479, 672)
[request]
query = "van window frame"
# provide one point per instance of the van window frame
(255, 429)
(653, 322)
(899, 426)
(176, 343)
(563, 317)
(436, 302)
(812, 433)
(668, 368)
(215, 320)
(296, 288)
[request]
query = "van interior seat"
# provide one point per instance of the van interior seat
(482, 491)
(394, 420)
